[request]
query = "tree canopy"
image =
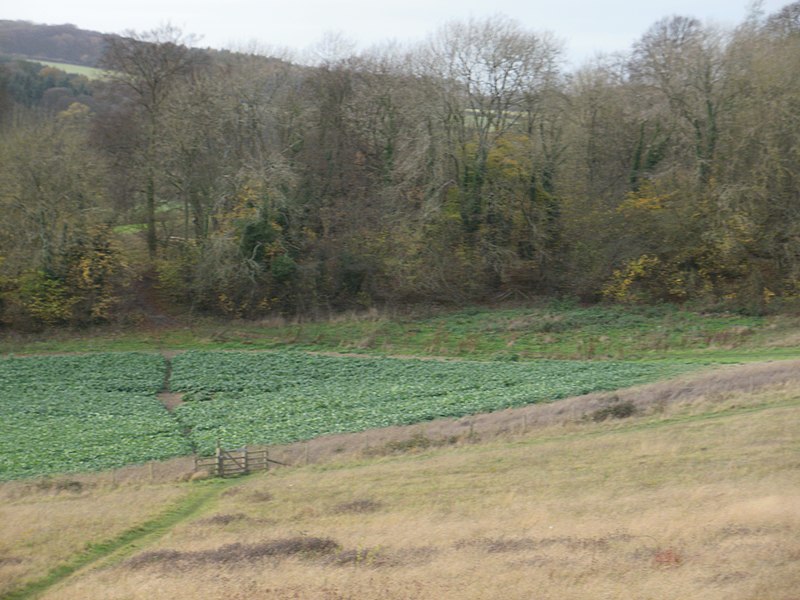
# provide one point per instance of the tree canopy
(472, 166)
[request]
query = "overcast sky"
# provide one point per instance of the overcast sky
(585, 27)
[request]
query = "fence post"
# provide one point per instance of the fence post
(220, 462)
(246, 461)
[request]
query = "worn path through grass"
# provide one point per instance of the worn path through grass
(129, 542)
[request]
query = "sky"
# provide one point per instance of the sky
(585, 28)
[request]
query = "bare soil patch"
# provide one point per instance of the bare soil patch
(171, 400)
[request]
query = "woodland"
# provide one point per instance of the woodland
(475, 166)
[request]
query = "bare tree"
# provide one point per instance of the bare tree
(490, 72)
(149, 65)
(786, 21)
(684, 62)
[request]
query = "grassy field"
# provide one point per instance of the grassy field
(696, 498)
(50, 524)
(90, 72)
(555, 330)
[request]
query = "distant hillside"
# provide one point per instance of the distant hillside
(63, 43)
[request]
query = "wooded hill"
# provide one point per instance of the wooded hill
(470, 167)
(61, 43)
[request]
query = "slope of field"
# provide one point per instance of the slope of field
(82, 413)
(695, 500)
(50, 524)
(690, 492)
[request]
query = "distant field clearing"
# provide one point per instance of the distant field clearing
(90, 72)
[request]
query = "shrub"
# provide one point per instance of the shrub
(617, 410)
(38, 299)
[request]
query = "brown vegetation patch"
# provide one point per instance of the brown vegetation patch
(326, 550)
(382, 557)
(741, 531)
(667, 557)
(10, 560)
(358, 506)
(223, 519)
(262, 496)
(616, 409)
(525, 544)
(727, 578)
(57, 485)
(229, 554)
(498, 545)
(416, 442)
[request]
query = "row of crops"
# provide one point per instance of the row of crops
(76, 413)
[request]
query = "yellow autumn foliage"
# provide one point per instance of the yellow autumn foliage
(645, 200)
(622, 287)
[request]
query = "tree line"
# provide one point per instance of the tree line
(470, 167)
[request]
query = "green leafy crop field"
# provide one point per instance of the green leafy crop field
(83, 413)
(90, 412)
(279, 397)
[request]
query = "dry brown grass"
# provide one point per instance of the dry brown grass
(689, 499)
(46, 522)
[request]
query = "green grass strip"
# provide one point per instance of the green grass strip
(126, 543)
